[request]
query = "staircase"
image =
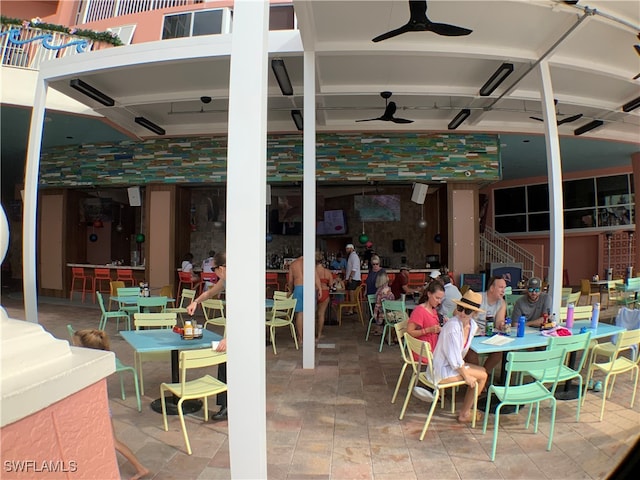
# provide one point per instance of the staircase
(496, 248)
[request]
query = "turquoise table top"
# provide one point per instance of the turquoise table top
(158, 340)
(533, 338)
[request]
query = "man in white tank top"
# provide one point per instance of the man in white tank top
(494, 306)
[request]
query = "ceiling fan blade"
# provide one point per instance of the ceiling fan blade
(537, 118)
(393, 33)
(570, 119)
(369, 119)
(448, 30)
(637, 47)
(401, 120)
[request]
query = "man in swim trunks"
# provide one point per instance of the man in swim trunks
(295, 281)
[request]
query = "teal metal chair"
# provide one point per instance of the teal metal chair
(394, 311)
(106, 315)
(151, 304)
(371, 301)
(528, 393)
(571, 344)
(120, 368)
(129, 308)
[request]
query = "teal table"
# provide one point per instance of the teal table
(162, 340)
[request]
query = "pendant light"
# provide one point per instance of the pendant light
(119, 226)
(364, 238)
(422, 223)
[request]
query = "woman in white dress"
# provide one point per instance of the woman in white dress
(453, 344)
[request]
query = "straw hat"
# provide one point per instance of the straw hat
(471, 300)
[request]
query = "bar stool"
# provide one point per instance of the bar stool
(125, 275)
(100, 275)
(185, 277)
(79, 274)
(207, 277)
(271, 278)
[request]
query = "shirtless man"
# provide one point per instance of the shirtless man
(295, 281)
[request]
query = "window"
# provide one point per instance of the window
(193, 24)
(124, 33)
(281, 17)
(600, 202)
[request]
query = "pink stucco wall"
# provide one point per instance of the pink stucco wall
(74, 437)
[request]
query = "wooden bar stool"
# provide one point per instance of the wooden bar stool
(78, 273)
(271, 279)
(101, 275)
(125, 275)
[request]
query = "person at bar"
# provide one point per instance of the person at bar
(353, 277)
(400, 284)
(374, 270)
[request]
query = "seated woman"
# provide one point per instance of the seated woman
(453, 344)
(424, 323)
(383, 292)
(187, 266)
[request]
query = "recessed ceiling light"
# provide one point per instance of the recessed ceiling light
(526, 141)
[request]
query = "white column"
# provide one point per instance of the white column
(246, 240)
(309, 211)
(31, 170)
(554, 170)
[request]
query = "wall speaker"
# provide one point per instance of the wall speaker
(419, 193)
(268, 194)
(134, 196)
(398, 245)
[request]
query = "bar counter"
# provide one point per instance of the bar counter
(113, 267)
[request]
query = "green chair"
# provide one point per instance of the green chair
(146, 321)
(394, 311)
(571, 344)
(186, 297)
(130, 308)
(371, 300)
(120, 368)
(152, 304)
(530, 393)
(106, 315)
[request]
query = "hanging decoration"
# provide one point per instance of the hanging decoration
(119, 227)
(422, 223)
(269, 236)
(364, 238)
(93, 237)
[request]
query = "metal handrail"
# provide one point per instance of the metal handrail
(495, 247)
(95, 10)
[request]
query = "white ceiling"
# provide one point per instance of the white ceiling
(431, 76)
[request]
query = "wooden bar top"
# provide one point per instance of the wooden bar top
(113, 267)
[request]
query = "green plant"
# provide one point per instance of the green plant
(106, 37)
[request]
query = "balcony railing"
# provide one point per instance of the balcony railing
(94, 10)
(27, 47)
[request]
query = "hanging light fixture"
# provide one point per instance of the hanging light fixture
(364, 238)
(119, 226)
(422, 223)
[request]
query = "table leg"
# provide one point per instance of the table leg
(188, 406)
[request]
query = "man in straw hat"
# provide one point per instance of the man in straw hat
(453, 344)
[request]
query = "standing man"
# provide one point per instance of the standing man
(494, 306)
(451, 295)
(220, 268)
(352, 278)
(374, 270)
(532, 305)
(295, 282)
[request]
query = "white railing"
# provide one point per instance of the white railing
(495, 247)
(94, 10)
(27, 47)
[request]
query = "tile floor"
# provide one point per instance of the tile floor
(337, 422)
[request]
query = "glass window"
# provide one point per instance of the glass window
(509, 200)
(176, 26)
(538, 198)
(610, 189)
(580, 218)
(579, 193)
(511, 223)
(539, 222)
(207, 23)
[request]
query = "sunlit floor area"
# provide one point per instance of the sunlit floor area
(337, 421)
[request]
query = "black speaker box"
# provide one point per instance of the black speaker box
(398, 245)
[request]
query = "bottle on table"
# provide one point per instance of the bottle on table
(188, 330)
(570, 312)
(507, 326)
(595, 316)
(521, 324)
(488, 329)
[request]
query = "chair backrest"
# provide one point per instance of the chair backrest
(572, 343)
(198, 358)
(279, 295)
(585, 286)
(101, 301)
(129, 292)
(155, 320)
(566, 291)
(628, 339)
(185, 277)
(394, 310)
(401, 329)
(186, 297)
(419, 350)
(152, 302)
(114, 285)
(508, 291)
(210, 307)
(125, 273)
(371, 300)
(167, 291)
(573, 298)
(77, 272)
(102, 273)
(71, 332)
(210, 277)
(582, 312)
(547, 361)
(285, 307)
